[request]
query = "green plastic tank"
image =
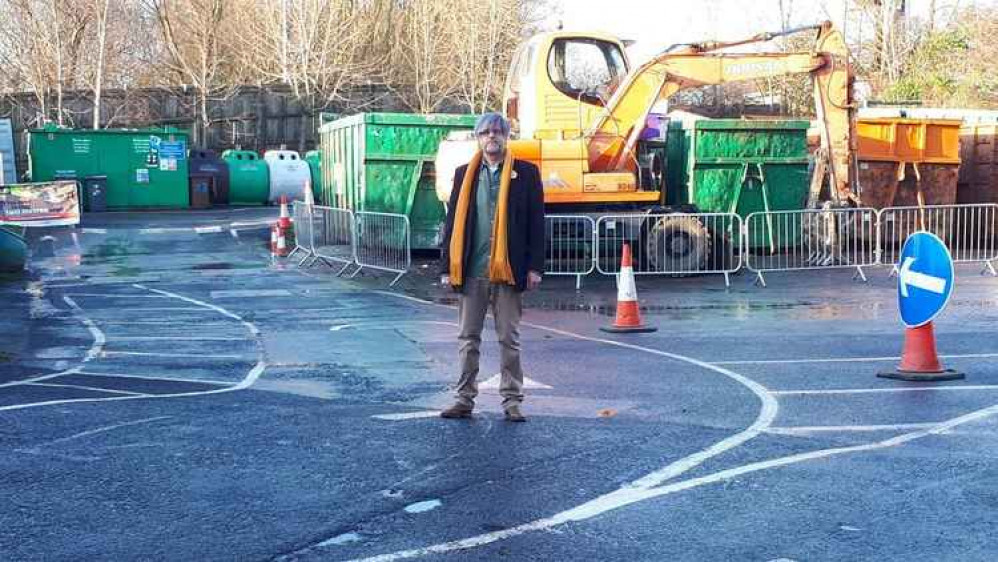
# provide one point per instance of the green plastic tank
(249, 178)
(383, 162)
(143, 168)
(314, 160)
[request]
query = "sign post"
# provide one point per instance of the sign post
(925, 284)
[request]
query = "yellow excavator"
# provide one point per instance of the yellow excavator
(578, 111)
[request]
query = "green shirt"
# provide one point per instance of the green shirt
(485, 206)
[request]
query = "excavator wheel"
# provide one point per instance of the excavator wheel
(679, 244)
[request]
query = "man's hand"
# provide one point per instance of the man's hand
(445, 280)
(533, 280)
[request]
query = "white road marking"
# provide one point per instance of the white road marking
(804, 430)
(251, 377)
(107, 296)
(207, 229)
(408, 415)
(176, 338)
(90, 432)
(163, 230)
(250, 294)
(153, 354)
(87, 388)
(878, 390)
(845, 359)
(93, 230)
(423, 506)
(627, 496)
(493, 382)
(382, 326)
(152, 378)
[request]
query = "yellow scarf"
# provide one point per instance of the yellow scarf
(500, 270)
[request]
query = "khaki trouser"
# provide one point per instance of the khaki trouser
(507, 307)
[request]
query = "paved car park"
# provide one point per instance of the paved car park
(168, 391)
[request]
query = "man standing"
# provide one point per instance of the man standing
(493, 250)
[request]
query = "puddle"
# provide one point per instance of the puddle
(212, 266)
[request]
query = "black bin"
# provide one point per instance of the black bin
(95, 194)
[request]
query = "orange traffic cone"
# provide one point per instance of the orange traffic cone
(919, 361)
(628, 316)
(283, 229)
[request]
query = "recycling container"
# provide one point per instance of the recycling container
(383, 162)
(288, 175)
(207, 168)
(901, 159)
(739, 166)
(144, 168)
(249, 177)
(978, 179)
(201, 187)
(314, 160)
(95, 194)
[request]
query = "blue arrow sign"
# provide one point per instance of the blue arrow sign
(925, 278)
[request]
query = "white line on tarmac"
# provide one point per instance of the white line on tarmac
(90, 432)
(249, 326)
(251, 377)
(879, 390)
(176, 338)
(152, 378)
(243, 294)
(382, 326)
(846, 359)
(95, 349)
(408, 415)
(804, 430)
(630, 494)
(107, 296)
(153, 354)
(93, 231)
(88, 388)
(207, 229)
(627, 496)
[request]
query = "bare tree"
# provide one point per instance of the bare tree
(192, 33)
(315, 47)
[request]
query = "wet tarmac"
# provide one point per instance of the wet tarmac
(168, 391)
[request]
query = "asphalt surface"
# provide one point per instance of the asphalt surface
(170, 392)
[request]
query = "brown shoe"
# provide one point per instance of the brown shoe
(457, 411)
(514, 414)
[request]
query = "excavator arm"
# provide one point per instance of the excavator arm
(612, 139)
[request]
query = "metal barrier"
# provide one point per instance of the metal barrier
(570, 246)
(332, 236)
(382, 243)
(671, 244)
(301, 220)
(969, 231)
(811, 239)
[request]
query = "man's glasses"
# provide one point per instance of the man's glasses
(487, 132)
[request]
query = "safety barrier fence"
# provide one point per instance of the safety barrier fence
(340, 236)
(810, 239)
(671, 244)
(969, 231)
(382, 243)
(304, 240)
(678, 244)
(333, 237)
(570, 246)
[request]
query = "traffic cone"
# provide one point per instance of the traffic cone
(283, 230)
(919, 361)
(628, 316)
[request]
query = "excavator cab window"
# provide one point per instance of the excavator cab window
(586, 69)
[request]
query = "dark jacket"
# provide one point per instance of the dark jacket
(525, 220)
